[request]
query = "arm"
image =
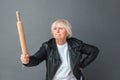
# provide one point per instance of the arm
(91, 53)
(38, 57)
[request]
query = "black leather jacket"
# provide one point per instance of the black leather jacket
(49, 52)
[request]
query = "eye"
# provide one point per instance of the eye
(54, 28)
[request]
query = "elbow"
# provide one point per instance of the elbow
(96, 52)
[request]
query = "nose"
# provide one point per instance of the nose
(57, 30)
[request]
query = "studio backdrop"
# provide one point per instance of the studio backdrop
(95, 22)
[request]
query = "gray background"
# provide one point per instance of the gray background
(95, 22)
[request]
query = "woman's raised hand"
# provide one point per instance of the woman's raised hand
(25, 58)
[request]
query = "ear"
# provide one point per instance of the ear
(68, 35)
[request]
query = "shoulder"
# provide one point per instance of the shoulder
(49, 43)
(74, 42)
(74, 39)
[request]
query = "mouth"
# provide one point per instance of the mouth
(57, 34)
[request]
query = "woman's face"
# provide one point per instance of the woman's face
(59, 32)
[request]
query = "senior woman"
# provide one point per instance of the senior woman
(63, 54)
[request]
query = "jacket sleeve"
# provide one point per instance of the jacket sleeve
(38, 57)
(91, 53)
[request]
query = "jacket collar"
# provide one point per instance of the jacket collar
(72, 43)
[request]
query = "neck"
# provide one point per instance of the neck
(61, 41)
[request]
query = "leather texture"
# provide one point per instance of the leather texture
(81, 55)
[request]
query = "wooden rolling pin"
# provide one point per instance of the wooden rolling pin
(21, 34)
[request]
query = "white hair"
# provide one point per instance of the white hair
(66, 24)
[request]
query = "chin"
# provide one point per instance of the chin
(58, 38)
